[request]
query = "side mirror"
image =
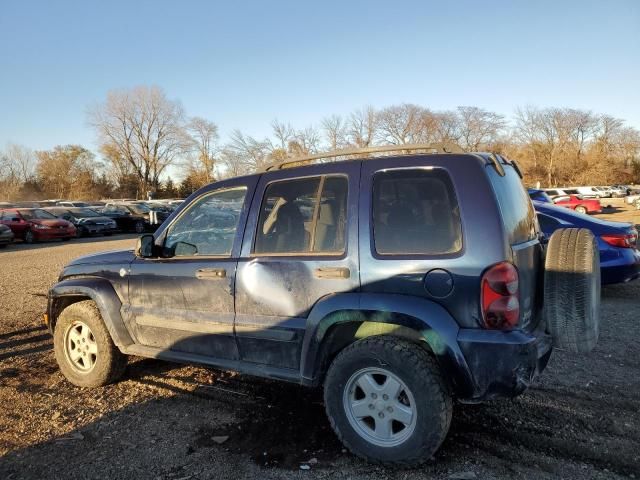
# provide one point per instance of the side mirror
(145, 246)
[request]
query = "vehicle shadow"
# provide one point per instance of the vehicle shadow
(24, 342)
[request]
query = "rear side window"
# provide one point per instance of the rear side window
(518, 215)
(415, 211)
(305, 215)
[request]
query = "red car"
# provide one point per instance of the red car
(35, 224)
(579, 204)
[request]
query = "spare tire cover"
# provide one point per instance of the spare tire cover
(572, 289)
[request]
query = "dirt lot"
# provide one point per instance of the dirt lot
(580, 420)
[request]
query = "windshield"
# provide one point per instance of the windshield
(36, 214)
(139, 209)
(83, 212)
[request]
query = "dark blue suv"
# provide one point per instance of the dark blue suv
(399, 282)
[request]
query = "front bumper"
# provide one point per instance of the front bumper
(54, 233)
(503, 364)
(98, 229)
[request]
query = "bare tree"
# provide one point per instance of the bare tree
(17, 167)
(335, 132)
(246, 153)
(284, 133)
(479, 128)
(402, 124)
(203, 138)
(144, 127)
(362, 127)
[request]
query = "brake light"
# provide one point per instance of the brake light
(621, 240)
(499, 297)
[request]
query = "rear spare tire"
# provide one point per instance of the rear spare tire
(572, 289)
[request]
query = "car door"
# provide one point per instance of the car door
(300, 245)
(183, 300)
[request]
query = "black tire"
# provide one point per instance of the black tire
(109, 364)
(29, 237)
(3, 245)
(108, 234)
(582, 209)
(418, 370)
(66, 239)
(139, 227)
(572, 289)
(80, 232)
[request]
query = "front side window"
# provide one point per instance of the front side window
(415, 212)
(303, 216)
(208, 227)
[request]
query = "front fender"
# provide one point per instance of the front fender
(103, 294)
(429, 319)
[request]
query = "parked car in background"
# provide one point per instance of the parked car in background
(74, 203)
(618, 191)
(632, 199)
(132, 217)
(539, 195)
(555, 192)
(605, 192)
(86, 221)
(6, 235)
(36, 224)
(588, 192)
(617, 241)
(579, 203)
(6, 205)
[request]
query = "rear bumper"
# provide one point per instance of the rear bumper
(503, 364)
(620, 265)
(6, 238)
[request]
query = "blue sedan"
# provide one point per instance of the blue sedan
(617, 241)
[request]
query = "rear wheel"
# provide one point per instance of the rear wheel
(572, 289)
(581, 209)
(83, 347)
(387, 401)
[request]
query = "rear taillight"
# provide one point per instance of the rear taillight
(622, 240)
(499, 297)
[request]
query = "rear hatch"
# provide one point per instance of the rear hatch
(521, 229)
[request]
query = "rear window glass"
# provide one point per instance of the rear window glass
(516, 207)
(415, 211)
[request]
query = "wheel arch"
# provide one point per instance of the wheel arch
(341, 319)
(98, 290)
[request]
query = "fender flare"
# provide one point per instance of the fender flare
(433, 323)
(103, 294)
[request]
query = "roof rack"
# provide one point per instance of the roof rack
(349, 152)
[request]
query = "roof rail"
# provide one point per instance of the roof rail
(427, 147)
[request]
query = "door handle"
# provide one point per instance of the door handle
(211, 273)
(332, 272)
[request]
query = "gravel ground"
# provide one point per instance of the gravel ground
(580, 420)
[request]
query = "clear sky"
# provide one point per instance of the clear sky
(242, 64)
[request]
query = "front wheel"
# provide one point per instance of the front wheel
(387, 401)
(139, 226)
(83, 347)
(29, 237)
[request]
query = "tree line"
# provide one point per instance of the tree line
(144, 136)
